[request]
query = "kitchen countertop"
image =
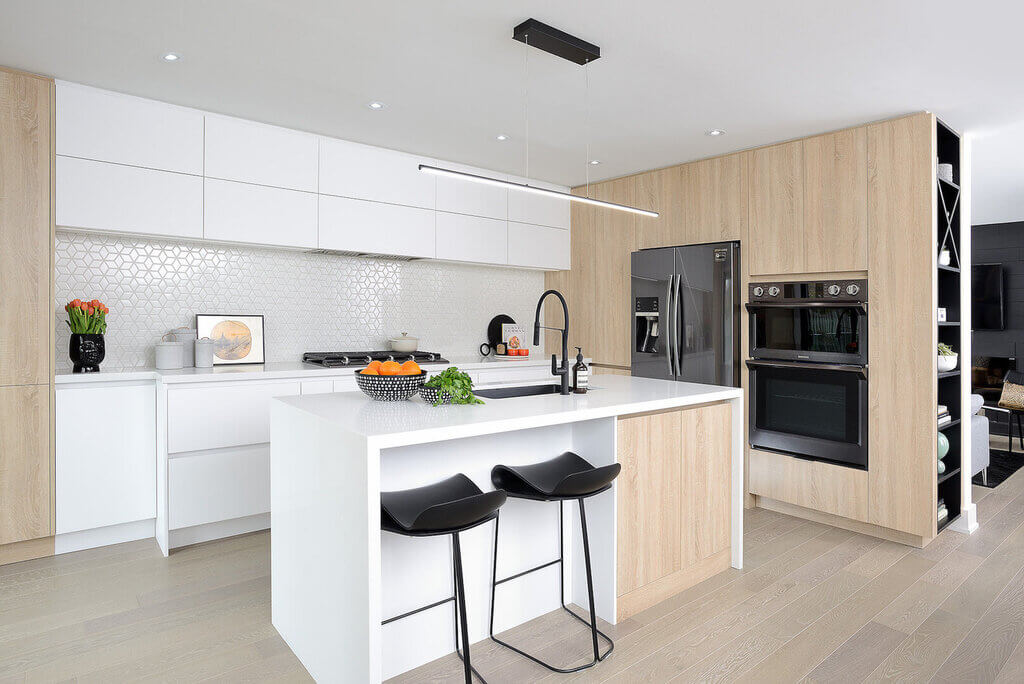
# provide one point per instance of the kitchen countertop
(389, 424)
(271, 371)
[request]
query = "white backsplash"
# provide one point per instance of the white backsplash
(311, 302)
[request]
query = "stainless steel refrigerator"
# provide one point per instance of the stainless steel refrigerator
(685, 305)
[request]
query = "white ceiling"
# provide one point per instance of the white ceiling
(452, 77)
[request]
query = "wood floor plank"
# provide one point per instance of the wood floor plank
(858, 656)
(975, 595)
(912, 607)
(919, 656)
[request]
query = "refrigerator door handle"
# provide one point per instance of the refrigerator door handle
(679, 321)
(666, 330)
(727, 333)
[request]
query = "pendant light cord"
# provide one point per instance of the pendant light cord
(586, 126)
(526, 101)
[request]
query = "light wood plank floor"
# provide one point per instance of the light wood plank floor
(813, 604)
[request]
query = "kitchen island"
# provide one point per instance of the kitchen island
(673, 518)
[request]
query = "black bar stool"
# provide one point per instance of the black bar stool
(447, 507)
(564, 478)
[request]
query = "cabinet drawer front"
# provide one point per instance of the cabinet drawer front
(215, 417)
(211, 487)
(97, 124)
(105, 477)
(464, 197)
(346, 385)
(349, 169)
(538, 246)
(540, 373)
(363, 226)
(256, 153)
(317, 386)
(109, 197)
(812, 484)
(471, 238)
(255, 214)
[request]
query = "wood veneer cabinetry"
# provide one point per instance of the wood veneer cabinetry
(776, 210)
(835, 221)
(26, 318)
(673, 516)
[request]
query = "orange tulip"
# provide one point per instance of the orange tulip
(76, 302)
(89, 311)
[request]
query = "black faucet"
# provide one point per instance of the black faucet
(556, 370)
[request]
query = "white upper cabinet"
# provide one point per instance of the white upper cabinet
(105, 126)
(371, 173)
(471, 238)
(251, 152)
(525, 207)
(256, 214)
(111, 197)
(538, 246)
(465, 197)
(362, 226)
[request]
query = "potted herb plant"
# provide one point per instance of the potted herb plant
(947, 358)
(88, 323)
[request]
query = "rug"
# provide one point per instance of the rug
(1001, 466)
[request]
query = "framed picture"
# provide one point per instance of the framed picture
(236, 339)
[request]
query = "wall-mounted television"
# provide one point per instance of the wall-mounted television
(987, 309)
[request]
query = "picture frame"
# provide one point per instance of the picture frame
(237, 339)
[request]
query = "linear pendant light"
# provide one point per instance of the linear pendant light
(522, 187)
(568, 47)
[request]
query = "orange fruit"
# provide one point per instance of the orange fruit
(375, 365)
(411, 368)
(390, 368)
(369, 370)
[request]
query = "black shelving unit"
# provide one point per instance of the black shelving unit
(948, 384)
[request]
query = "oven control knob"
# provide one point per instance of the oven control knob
(773, 291)
(852, 289)
(759, 291)
(833, 290)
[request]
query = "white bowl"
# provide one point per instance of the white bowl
(947, 363)
(404, 343)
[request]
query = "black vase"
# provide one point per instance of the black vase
(86, 352)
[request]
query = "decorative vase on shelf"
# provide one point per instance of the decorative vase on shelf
(942, 447)
(86, 351)
(947, 363)
(944, 258)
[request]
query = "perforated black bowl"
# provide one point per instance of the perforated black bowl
(390, 387)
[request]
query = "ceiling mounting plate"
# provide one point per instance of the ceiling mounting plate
(559, 43)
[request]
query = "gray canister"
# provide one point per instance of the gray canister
(187, 336)
(204, 353)
(168, 353)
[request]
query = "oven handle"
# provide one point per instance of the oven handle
(860, 306)
(845, 368)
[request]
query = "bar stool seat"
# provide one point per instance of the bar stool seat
(564, 478)
(450, 506)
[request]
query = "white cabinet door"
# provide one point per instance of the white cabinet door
(239, 212)
(105, 126)
(525, 207)
(538, 246)
(349, 169)
(111, 197)
(214, 416)
(363, 226)
(346, 385)
(210, 487)
(465, 197)
(106, 456)
(256, 153)
(471, 238)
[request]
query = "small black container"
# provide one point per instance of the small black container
(86, 352)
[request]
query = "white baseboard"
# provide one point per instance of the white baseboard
(104, 536)
(218, 530)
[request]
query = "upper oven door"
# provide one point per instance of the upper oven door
(809, 331)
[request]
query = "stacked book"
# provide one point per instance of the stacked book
(944, 417)
(942, 512)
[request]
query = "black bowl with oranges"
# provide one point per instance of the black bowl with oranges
(390, 380)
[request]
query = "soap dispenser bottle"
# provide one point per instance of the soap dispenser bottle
(580, 374)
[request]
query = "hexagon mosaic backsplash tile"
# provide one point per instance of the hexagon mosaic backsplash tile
(311, 302)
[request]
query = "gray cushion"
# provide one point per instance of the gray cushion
(976, 403)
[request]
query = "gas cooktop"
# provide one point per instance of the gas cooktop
(361, 358)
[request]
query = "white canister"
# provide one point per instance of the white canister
(187, 336)
(204, 353)
(168, 353)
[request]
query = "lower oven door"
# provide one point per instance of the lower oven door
(816, 411)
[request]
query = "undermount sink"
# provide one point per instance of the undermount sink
(527, 391)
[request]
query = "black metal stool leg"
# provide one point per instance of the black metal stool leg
(590, 580)
(1020, 432)
(460, 600)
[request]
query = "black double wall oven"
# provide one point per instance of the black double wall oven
(808, 369)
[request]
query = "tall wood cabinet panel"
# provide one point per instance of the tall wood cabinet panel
(716, 205)
(26, 316)
(901, 358)
(776, 210)
(666, 191)
(25, 496)
(835, 201)
(615, 241)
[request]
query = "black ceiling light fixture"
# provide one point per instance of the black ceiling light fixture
(533, 33)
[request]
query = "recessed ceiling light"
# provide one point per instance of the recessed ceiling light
(595, 162)
(172, 57)
(376, 105)
(502, 136)
(715, 132)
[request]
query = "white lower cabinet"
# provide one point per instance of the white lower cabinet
(256, 214)
(538, 246)
(210, 487)
(461, 237)
(317, 386)
(216, 415)
(363, 226)
(127, 199)
(106, 456)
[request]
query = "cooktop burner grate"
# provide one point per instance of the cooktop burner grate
(361, 358)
